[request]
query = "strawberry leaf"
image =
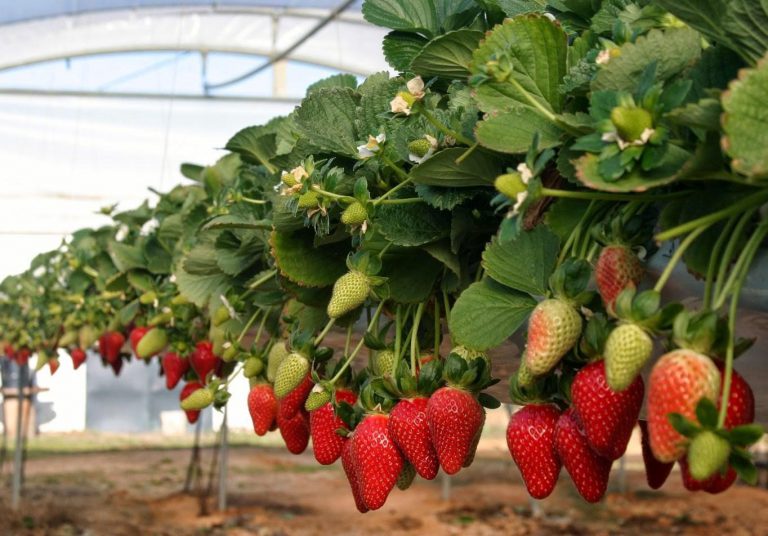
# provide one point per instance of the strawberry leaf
(745, 435)
(684, 426)
(488, 401)
(706, 413)
(743, 465)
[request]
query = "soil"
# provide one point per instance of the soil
(273, 493)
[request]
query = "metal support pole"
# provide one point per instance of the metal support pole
(193, 469)
(445, 487)
(223, 464)
(623, 474)
(18, 456)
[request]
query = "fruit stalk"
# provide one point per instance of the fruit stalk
(346, 364)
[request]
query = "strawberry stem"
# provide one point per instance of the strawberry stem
(248, 325)
(407, 201)
(747, 203)
(438, 328)
(415, 336)
(398, 336)
(348, 339)
(252, 201)
(346, 364)
(397, 169)
(261, 325)
(684, 245)
(725, 262)
(466, 153)
(716, 251)
(325, 331)
(741, 269)
(607, 196)
(260, 281)
(331, 195)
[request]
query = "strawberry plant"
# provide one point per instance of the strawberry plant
(518, 174)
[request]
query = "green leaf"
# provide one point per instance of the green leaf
(746, 121)
(254, 145)
(236, 221)
(191, 171)
(746, 434)
(234, 256)
(402, 15)
(336, 80)
(375, 94)
(141, 280)
(671, 168)
(158, 259)
(564, 215)
(684, 426)
(401, 47)
(488, 401)
(199, 288)
(537, 49)
(126, 257)
(201, 259)
(744, 467)
(513, 131)
(445, 198)
(525, 262)
(327, 117)
(673, 50)
(704, 114)
(513, 8)
(442, 252)
(411, 275)
(300, 261)
(478, 169)
(447, 56)
(412, 224)
(706, 413)
(487, 313)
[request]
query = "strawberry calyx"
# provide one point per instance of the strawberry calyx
(569, 282)
(644, 310)
(697, 331)
(712, 449)
(470, 375)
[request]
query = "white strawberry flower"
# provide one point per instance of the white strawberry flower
(122, 233)
(613, 136)
(403, 101)
(148, 227)
(416, 87)
(399, 105)
(369, 149)
(525, 175)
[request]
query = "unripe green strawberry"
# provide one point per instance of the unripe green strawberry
(220, 316)
(627, 350)
(468, 354)
(383, 362)
(707, 453)
(524, 376)
(553, 329)
(406, 477)
(290, 374)
(510, 184)
(152, 343)
(354, 215)
(289, 179)
(148, 297)
(317, 398)
(349, 292)
(252, 367)
(197, 400)
(277, 353)
(630, 122)
(229, 352)
(308, 199)
(419, 147)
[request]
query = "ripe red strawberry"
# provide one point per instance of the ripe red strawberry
(136, 335)
(174, 367)
(678, 381)
(117, 365)
(78, 357)
(617, 268)
(294, 400)
(22, 356)
(715, 484)
(741, 400)
(53, 365)
(531, 442)
(295, 431)
(110, 344)
(553, 328)
(455, 418)
(378, 460)
(475, 443)
(350, 469)
(409, 429)
(202, 360)
(608, 417)
(323, 423)
(262, 405)
(189, 388)
(656, 472)
(589, 471)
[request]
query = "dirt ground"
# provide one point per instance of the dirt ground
(273, 493)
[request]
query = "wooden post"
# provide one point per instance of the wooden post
(223, 464)
(18, 456)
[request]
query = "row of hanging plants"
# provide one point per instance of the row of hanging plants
(517, 175)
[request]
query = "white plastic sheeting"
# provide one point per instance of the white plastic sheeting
(346, 44)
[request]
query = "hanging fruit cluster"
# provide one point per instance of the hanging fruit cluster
(528, 164)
